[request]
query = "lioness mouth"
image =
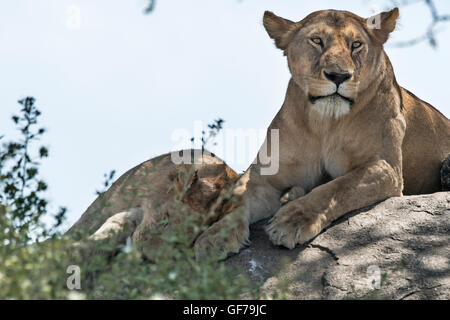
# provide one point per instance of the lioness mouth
(313, 99)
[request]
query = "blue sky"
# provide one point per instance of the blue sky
(115, 84)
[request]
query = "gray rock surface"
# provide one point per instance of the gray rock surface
(397, 249)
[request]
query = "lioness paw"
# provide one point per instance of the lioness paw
(291, 225)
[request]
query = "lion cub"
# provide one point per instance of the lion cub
(158, 193)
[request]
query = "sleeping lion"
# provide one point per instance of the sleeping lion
(153, 199)
(349, 135)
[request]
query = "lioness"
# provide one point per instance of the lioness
(349, 135)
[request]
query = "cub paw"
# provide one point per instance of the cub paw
(221, 240)
(294, 193)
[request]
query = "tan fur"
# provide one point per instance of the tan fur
(343, 155)
(154, 192)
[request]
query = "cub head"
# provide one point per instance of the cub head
(332, 55)
(202, 187)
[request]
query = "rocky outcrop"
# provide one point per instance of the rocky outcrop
(445, 174)
(397, 249)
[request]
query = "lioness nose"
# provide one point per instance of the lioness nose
(338, 77)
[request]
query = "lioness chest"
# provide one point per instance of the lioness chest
(328, 153)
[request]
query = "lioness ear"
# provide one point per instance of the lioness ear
(383, 24)
(278, 28)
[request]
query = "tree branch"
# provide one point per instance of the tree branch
(150, 7)
(432, 30)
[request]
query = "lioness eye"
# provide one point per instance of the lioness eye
(356, 44)
(317, 41)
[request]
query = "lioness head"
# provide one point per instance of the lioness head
(332, 55)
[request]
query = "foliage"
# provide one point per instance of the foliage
(28, 269)
(35, 256)
(214, 129)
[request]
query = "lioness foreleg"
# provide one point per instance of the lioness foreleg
(252, 199)
(301, 220)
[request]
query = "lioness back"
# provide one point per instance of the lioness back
(425, 146)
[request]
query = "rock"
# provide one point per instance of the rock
(445, 174)
(397, 249)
